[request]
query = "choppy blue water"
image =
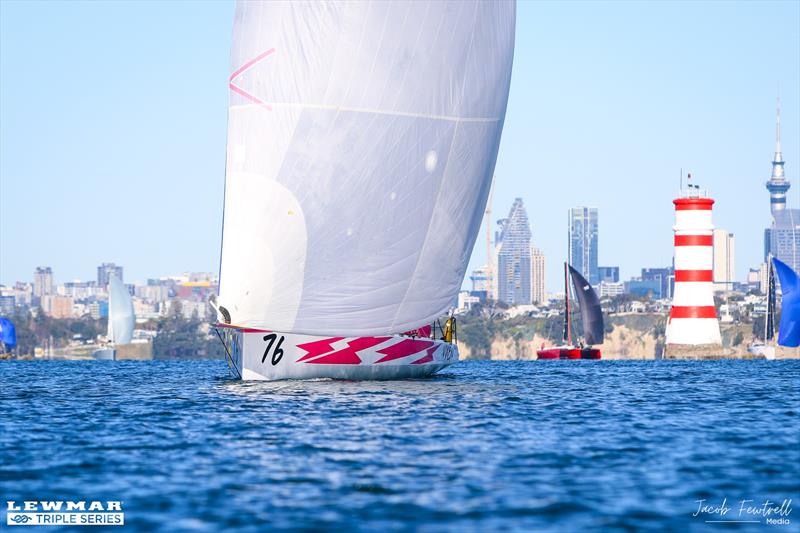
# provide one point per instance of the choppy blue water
(484, 446)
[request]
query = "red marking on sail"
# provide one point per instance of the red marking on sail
(349, 355)
(694, 275)
(424, 331)
(428, 358)
(694, 240)
(244, 68)
(320, 347)
(403, 349)
(693, 311)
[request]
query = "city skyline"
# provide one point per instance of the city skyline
(615, 108)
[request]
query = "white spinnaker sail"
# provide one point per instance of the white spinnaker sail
(362, 138)
(120, 312)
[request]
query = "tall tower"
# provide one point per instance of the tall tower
(777, 184)
(582, 243)
(693, 318)
(514, 257)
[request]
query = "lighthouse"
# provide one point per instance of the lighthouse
(693, 319)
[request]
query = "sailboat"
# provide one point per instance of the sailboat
(362, 139)
(8, 335)
(120, 320)
(763, 348)
(789, 331)
(591, 317)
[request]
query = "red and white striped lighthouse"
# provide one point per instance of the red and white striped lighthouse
(693, 319)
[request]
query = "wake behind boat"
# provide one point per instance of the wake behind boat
(360, 157)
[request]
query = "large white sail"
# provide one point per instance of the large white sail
(362, 138)
(120, 312)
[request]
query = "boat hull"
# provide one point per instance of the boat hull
(269, 355)
(762, 350)
(105, 354)
(568, 352)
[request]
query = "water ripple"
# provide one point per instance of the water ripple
(485, 446)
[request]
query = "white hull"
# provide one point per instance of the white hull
(762, 350)
(268, 355)
(104, 354)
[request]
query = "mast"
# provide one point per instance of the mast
(770, 318)
(567, 320)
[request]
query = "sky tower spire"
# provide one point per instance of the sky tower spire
(777, 184)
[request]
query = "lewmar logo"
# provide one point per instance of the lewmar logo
(55, 513)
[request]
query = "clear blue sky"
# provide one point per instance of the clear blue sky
(113, 116)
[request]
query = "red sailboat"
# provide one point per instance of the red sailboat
(591, 316)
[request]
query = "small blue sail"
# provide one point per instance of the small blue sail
(8, 333)
(789, 334)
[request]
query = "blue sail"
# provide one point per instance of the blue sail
(789, 334)
(8, 333)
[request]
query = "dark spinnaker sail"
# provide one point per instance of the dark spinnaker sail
(591, 313)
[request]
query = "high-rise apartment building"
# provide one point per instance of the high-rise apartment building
(583, 236)
(608, 274)
(538, 286)
(42, 283)
(782, 238)
(724, 272)
(514, 257)
(105, 270)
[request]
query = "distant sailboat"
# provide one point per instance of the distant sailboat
(591, 317)
(120, 319)
(764, 348)
(8, 335)
(789, 332)
(362, 138)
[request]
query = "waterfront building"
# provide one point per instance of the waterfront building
(152, 292)
(538, 285)
(105, 270)
(98, 309)
(514, 257)
(724, 263)
(23, 293)
(610, 289)
(480, 283)
(650, 288)
(763, 278)
(609, 274)
(57, 306)
(42, 283)
(7, 304)
(195, 290)
(663, 277)
(782, 238)
(466, 301)
(582, 246)
(83, 290)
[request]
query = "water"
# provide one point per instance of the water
(485, 446)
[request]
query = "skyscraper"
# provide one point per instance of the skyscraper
(538, 294)
(724, 263)
(105, 270)
(514, 257)
(782, 239)
(42, 283)
(583, 234)
(608, 274)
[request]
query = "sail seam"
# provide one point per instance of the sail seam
(368, 110)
